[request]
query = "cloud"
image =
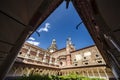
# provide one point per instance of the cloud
(34, 43)
(32, 38)
(45, 29)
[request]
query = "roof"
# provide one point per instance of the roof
(63, 49)
(36, 47)
(83, 48)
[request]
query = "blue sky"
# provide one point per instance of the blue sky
(60, 25)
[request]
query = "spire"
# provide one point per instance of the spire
(53, 46)
(69, 42)
(53, 41)
(69, 45)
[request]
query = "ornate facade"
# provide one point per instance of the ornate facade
(85, 62)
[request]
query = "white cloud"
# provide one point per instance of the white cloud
(47, 25)
(34, 43)
(32, 38)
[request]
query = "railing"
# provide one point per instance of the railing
(36, 60)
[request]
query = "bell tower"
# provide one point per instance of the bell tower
(53, 46)
(69, 46)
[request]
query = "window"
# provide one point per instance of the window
(86, 63)
(99, 61)
(61, 63)
(74, 59)
(76, 64)
(97, 55)
(28, 54)
(87, 53)
(84, 57)
(78, 57)
(20, 53)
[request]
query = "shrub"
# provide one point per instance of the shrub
(46, 77)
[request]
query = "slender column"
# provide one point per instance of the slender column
(44, 58)
(106, 74)
(48, 71)
(22, 70)
(40, 71)
(54, 72)
(79, 72)
(51, 72)
(83, 73)
(69, 71)
(37, 55)
(55, 61)
(15, 72)
(88, 74)
(64, 73)
(98, 73)
(28, 71)
(93, 73)
(50, 62)
(44, 72)
(28, 52)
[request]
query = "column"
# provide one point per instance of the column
(106, 74)
(83, 73)
(93, 73)
(37, 55)
(50, 62)
(44, 58)
(28, 52)
(14, 74)
(22, 70)
(43, 73)
(40, 71)
(79, 72)
(88, 74)
(98, 73)
(55, 61)
(28, 71)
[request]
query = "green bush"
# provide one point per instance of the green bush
(35, 77)
(46, 77)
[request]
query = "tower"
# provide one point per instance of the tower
(69, 48)
(53, 46)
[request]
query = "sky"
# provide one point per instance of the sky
(60, 25)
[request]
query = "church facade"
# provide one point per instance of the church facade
(85, 62)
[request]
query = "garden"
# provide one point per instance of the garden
(47, 77)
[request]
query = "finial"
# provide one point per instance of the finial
(53, 41)
(69, 40)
